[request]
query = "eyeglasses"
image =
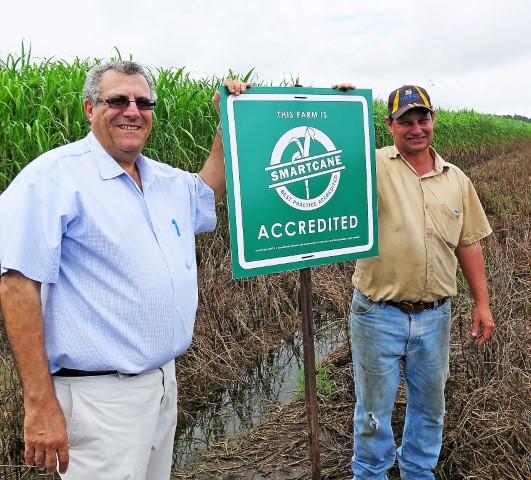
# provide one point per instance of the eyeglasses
(121, 103)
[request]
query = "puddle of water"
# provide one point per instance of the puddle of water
(244, 405)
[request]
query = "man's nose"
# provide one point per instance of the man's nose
(131, 110)
(415, 127)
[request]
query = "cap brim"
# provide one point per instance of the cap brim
(408, 107)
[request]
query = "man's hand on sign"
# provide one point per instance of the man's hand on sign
(234, 86)
(343, 86)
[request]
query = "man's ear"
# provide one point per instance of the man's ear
(88, 108)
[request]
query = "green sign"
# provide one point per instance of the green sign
(300, 177)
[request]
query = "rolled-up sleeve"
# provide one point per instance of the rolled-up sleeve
(202, 205)
(475, 223)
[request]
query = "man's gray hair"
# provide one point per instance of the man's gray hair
(91, 88)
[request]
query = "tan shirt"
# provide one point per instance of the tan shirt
(421, 220)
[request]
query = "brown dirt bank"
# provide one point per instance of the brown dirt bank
(488, 420)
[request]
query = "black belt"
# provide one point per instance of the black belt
(70, 372)
(415, 307)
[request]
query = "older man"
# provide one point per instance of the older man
(99, 287)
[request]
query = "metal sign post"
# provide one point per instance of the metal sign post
(310, 387)
(312, 409)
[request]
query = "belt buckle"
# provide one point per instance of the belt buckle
(408, 304)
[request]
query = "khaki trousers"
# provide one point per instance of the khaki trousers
(120, 427)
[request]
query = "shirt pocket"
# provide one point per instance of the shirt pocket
(451, 225)
(184, 239)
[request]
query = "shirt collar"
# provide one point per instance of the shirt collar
(109, 168)
(440, 163)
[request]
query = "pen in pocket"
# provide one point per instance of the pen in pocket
(176, 227)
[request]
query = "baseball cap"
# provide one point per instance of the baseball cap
(405, 98)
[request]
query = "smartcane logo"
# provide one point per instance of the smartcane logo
(302, 156)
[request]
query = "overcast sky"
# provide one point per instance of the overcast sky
(473, 54)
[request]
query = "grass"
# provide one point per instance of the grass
(323, 383)
(41, 108)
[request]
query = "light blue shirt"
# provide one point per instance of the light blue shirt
(116, 263)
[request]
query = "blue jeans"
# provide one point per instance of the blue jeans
(382, 338)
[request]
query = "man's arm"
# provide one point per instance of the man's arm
(213, 171)
(472, 263)
(45, 434)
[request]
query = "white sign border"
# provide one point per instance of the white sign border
(283, 260)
